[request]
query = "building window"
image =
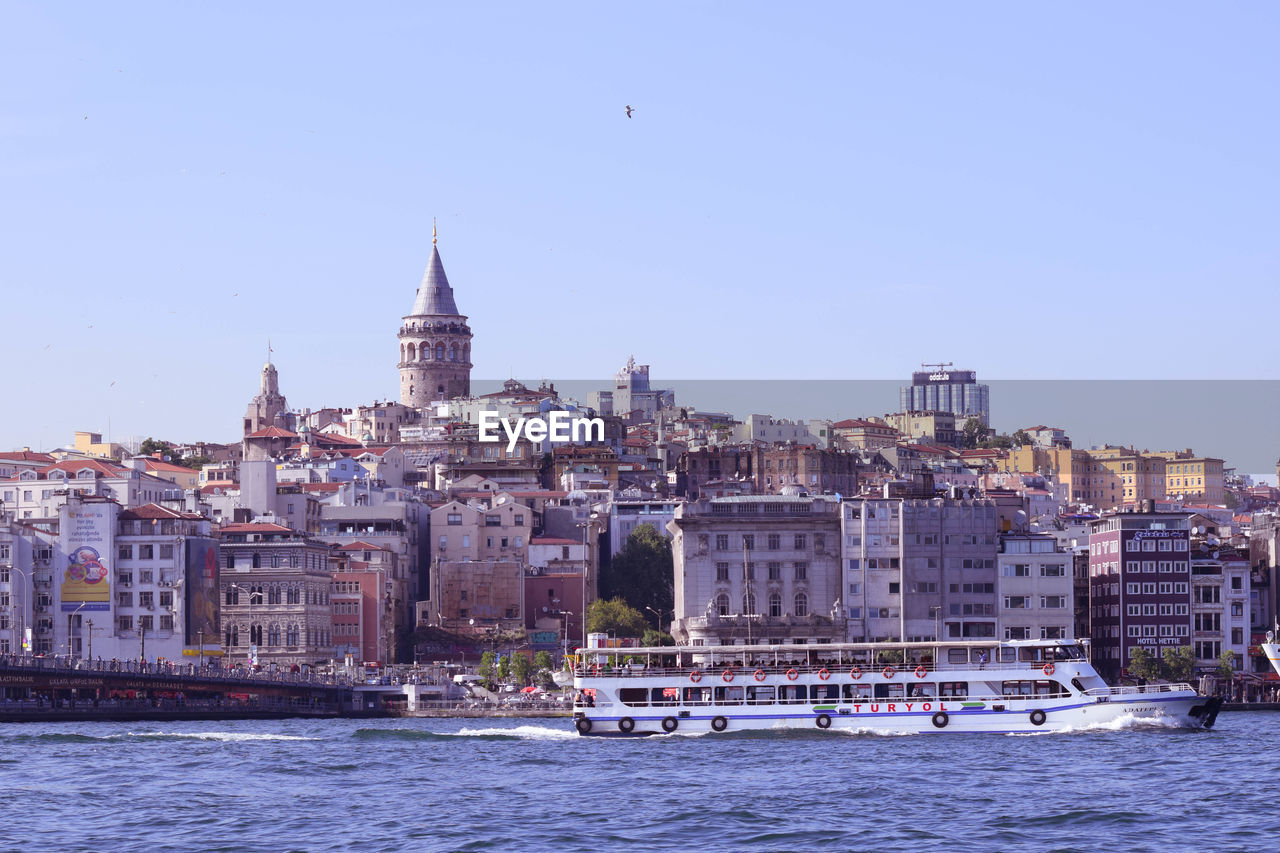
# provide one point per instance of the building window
(802, 571)
(749, 604)
(775, 605)
(775, 571)
(722, 542)
(748, 542)
(124, 552)
(799, 542)
(722, 604)
(775, 541)
(802, 604)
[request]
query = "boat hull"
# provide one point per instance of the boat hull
(1183, 709)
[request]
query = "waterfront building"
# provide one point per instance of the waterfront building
(435, 342)
(1140, 578)
(361, 601)
(477, 596)
(1034, 588)
(938, 388)
(917, 567)
(117, 582)
(275, 586)
(762, 568)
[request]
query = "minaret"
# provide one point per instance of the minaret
(435, 341)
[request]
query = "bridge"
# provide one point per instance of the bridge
(64, 688)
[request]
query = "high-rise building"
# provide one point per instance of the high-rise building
(435, 342)
(937, 388)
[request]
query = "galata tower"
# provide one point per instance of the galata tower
(435, 342)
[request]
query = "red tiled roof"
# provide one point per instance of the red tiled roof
(361, 545)
(26, 456)
(155, 511)
(321, 487)
(72, 466)
(272, 432)
(161, 465)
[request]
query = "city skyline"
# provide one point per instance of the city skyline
(176, 210)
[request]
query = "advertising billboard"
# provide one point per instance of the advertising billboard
(86, 579)
(202, 591)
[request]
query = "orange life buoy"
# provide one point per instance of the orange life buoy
(824, 674)
(920, 671)
(759, 675)
(1048, 669)
(792, 675)
(888, 672)
(727, 675)
(855, 673)
(695, 676)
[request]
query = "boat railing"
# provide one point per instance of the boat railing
(1133, 690)
(718, 670)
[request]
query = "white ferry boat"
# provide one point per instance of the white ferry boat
(966, 686)
(1272, 650)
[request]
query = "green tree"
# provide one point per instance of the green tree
(1021, 439)
(614, 616)
(541, 661)
(653, 637)
(1179, 663)
(643, 573)
(1227, 665)
(1143, 664)
(521, 667)
(486, 667)
(504, 668)
(151, 445)
(972, 433)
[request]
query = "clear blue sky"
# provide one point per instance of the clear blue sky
(825, 190)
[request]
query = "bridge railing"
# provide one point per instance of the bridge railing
(60, 663)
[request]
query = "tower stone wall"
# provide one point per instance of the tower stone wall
(435, 342)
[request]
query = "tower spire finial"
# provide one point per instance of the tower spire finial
(433, 230)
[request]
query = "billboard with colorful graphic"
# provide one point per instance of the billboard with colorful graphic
(202, 592)
(86, 579)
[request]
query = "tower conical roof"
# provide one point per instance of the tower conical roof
(435, 296)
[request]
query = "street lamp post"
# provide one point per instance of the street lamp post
(657, 613)
(586, 568)
(89, 624)
(70, 620)
(936, 610)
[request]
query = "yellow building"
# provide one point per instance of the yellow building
(91, 444)
(1129, 476)
(1191, 477)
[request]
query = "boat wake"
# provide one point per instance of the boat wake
(1127, 722)
(521, 733)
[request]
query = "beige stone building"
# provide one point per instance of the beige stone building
(477, 594)
(435, 342)
(1192, 477)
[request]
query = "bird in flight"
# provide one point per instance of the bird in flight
(629, 111)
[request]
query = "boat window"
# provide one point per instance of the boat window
(791, 694)
(824, 693)
(728, 695)
(892, 690)
(697, 696)
(957, 655)
(922, 690)
(761, 695)
(1068, 653)
(953, 688)
(857, 692)
(1029, 653)
(1017, 688)
(636, 697)
(664, 696)
(1008, 654)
